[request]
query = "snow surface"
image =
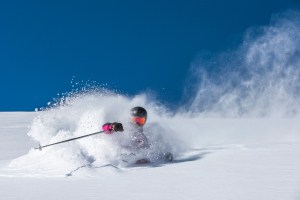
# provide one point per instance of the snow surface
(242, 169)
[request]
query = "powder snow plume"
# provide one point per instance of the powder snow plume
(251, 93)
(261, 78)
(85, 112)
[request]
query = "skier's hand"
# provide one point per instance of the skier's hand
(117, 127)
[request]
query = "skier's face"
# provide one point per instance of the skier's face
(139, 120)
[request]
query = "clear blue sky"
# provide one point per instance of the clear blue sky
(133, 46)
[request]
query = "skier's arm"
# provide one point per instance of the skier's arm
(109, 128)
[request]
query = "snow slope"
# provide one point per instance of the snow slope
(241, 170)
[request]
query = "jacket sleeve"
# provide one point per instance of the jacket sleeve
(107, 127)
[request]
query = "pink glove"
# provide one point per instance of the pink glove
(108, 128)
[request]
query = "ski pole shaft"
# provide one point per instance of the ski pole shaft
(68, 140)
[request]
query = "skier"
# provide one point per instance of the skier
(138, 139)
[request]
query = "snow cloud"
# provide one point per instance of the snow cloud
(261, 78)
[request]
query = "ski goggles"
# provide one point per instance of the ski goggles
(139, 120)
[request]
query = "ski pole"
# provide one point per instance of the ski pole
(68, 140)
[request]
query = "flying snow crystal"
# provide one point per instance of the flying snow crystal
(259, 79)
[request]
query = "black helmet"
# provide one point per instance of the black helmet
(139, 112)
(139, 116)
